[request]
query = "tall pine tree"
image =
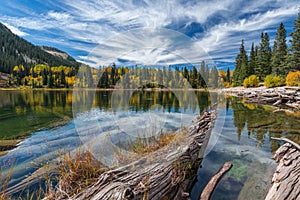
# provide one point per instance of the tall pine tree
(214, 77)
(257, 70)
(228, 75)
(264, 56)
(279, 54)
(294, 56)
(252, 61)
(241, 65)
(202, 74)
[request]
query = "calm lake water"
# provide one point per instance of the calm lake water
(104, 119)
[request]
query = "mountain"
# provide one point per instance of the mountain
(17, 51)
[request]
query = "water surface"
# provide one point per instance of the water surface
(241, 135)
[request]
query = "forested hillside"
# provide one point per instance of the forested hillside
(15, 51)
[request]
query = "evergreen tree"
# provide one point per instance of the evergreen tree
(264, 56)
(186, 73)
(228, 75)
(252, 61)
(206, 75)
(89, 77)
(51, 80)
(241, 66)
(214, 77)
(257, 69)
(295, 46)
(279, 54)
(45, 78)
(201, 75)
(194, 77)
(62, 78)
(177, 78)
(103, 80)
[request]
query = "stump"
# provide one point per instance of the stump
(167, 175)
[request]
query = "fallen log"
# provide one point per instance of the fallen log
(209, 188)
(164, 174)
(286, 179)
(281, 96)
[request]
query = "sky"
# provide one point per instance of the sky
(157, 32)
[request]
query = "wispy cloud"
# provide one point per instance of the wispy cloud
(217, 26)
(15, 30)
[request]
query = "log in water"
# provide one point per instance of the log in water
(286, 179)
(167, 175)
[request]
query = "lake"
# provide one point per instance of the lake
(61, 121)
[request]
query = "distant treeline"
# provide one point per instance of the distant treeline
(44, 76)
(152, 77)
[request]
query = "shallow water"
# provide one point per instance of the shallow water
(103, 119)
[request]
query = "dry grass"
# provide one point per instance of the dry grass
(2, 153)
(81, 170)
(4, 180)
(147, 146)
(76, 174)
(144, 145)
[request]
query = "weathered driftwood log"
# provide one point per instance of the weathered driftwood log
(286, 96)
(209, 188)
(286, 179)
(164, 174)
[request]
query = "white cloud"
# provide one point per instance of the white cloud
(58, 16)
(228, 34)
(225, 23)
(15, 30)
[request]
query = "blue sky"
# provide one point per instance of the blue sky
(149, 32)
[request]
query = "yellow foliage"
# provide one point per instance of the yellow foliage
(227, 85)
(16, 69)
(294, 114)
(70, 80)
(273, 81)
(292, 79)
(251, 81)
(222, 73)
(250, 106)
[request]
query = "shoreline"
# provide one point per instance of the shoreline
(106, 89)
(279, 97)
(9, 144)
